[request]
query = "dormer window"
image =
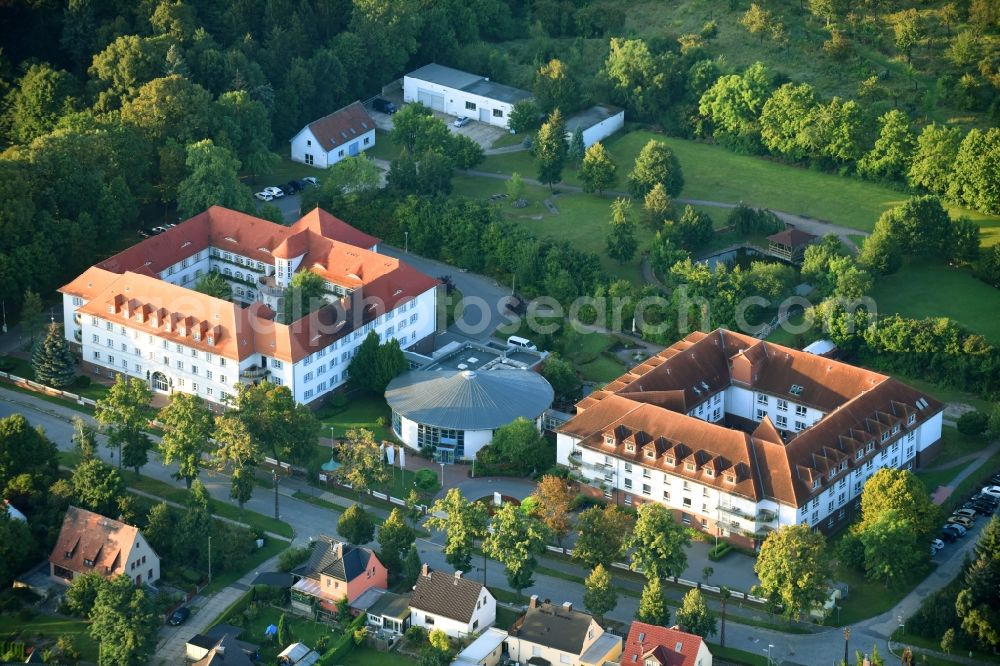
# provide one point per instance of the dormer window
(869, 447)
(89, 563)
(730, 478)
(895, 429)
(630, 447)
(670, 460)
(885, 436)
(911, 419)
(689, 467)
(843, 465)
(859, 454)
(609, 440)
(816, 483)
(709, 471)
(650, 454)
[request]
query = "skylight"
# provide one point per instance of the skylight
(796, 389)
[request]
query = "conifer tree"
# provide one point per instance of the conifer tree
(52, 360)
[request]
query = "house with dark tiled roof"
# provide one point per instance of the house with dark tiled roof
(458, 606)
(551, 634)
(653, 645)
(335, 571)
(138, 314)
(91, 543)
(738, 436)
(346, 132)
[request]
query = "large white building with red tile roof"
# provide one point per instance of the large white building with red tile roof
(738, 436)
(137, 313)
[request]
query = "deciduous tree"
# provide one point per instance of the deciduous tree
(395, 538)
(124, 621)
(214, 285)
(653, 604)
(188, 425)
(16, 547)
(976, 172)
(891, 156)
(555, 88)
(793, 569)
(598, 170)
(934, 158)
(694, 615)
(549, 149)
(900, 491)
(97, 486)
(462, 522)
(305, 294)
(554, 498)
(639, 78)
(655, 163)
(657, 543)
(524, 116)
(375, 364)
(356, 525)
(892, 548)
(602, 534)
(599, 595)
(124, 413)
(82, 592)
(361, 461)
(621, 242)
(211, 179)
(513, 542)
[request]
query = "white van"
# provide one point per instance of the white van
(523, 343)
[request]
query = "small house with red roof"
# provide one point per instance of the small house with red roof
(346, 132)
(91, 543)
(653, 645)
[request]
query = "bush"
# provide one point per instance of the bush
(426, 480)
(416, 634)
(973, 423)
(581, 502)
(716, 553)
(293, 557)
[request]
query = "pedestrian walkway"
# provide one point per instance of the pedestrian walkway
(977, 460)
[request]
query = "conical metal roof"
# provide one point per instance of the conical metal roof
(469, 400)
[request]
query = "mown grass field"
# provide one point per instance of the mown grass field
(939, 291)
(714, 173)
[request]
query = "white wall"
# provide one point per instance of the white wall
(603, 129)
(482, 618)
(455, 101)
(140, 549)
(305, 143)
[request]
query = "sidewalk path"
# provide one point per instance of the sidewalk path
(978, 460)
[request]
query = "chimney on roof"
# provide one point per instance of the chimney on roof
(567, 606)
(533, 601)
(220, 649)
(339, 550)
(458, 574)
(425, 570)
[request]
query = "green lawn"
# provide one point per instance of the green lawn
(732, 655)
(12, 627)
(179, 495)
(283, 171)
(361, 411)
(955, 445)
(271, 548)
(302, 629)
(505, 617)
(508, 139)
(935, 290)
(384, 148)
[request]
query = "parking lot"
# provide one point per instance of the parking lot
(482, 133)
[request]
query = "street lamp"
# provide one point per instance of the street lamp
(406, 236)
(442, 473)
(847, 637)
(768, 651)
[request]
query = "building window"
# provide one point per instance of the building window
(685, 518)
(646, 489)
(800, 410)
(761, 399)
(367, 139)
(687, 502)
(498, 113)
(340, 153)
(761, 414)
(628, 484)
(470, 106)
(309, 158)
(783, 405)
(782, 421)
(799, 425)
(666, 495)
(628, 500)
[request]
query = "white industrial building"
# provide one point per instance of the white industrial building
(459, 93)
(596, 123)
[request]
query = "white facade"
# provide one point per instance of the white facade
(143, 564)
(483, 617)
(307, 149)
(597, 128)
(456, 102)
(698, 503)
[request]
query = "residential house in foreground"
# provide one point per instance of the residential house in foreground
(137, 314)
(459, 93)
(346, 132)
(390, 613)
(458, 606)
(220, 646)
(552, 634)
(738, 436)
(335, 570)
(89, 542)
(653, 645)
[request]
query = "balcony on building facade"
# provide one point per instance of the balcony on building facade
(736, 511)
(254, 372)
(269, 287)
(766, 516)
(576, 458)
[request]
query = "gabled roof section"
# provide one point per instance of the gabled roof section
(556, 627)
(329, 226)
(342, 126)
(336, 559)
(448, 595)
(667, 647)
(89, 542)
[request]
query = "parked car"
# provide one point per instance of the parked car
(961, 520)
(995, 480)
(384, 106)
(264, 196)
(992, 491)
(158, 230)
(179, 616)
(948, 536)
(937, 544)
(310, 180)
(957, 529)
(144, 234)
(986, 498)
(984, 507)
(274, 192)
(461, 121)
(291, 187)
(968, 513)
